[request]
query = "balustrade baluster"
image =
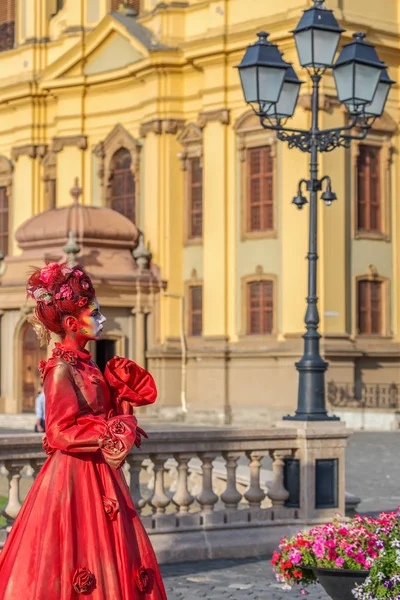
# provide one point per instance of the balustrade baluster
(135, 466)
(13, 505)
(159, 499)
(182, 498)
(277, 493)
(36, 464)
(207, 498)
(231, 496)
(254, 495)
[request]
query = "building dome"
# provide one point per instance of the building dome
(107, 244)
(90, 225)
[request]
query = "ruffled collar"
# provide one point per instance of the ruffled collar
(71, 356)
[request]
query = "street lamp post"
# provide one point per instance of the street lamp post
(271, 87)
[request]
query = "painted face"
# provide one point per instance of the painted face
(91, 321)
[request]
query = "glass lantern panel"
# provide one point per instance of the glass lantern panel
(304, 44)
(366, 82)
(248, 77)
(270, 81)
(325, 45)
(344, 82)
(287, 100)
(377, 106)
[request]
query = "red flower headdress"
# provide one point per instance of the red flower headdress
(59, 286)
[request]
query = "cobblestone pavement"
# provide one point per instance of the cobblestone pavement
(233, 579)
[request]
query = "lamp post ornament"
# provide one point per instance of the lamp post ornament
(271, 87)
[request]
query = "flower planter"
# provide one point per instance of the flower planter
(338, 583)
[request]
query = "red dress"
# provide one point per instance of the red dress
(78, 534)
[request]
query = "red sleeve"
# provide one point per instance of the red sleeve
(65, 429)
(130, 385)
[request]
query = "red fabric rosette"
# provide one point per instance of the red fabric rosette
(118, 439)
(130, 385)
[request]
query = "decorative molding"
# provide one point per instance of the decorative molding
(172, 126)
(154, 126)
(104, 151)
(41, 150)
(25, 150)
(326, 103)
(159, 126)
(191, 138)
(221, 115)
(80, 141)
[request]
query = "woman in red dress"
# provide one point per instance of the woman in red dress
(78, 533)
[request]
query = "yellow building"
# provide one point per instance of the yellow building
(146, 109)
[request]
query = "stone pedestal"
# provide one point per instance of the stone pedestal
(321, 463)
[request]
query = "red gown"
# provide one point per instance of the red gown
(78, 534)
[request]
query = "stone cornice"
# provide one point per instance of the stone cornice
(159, 126)
(80, 141)
(326, 103)
(24, 150)
(220, 115)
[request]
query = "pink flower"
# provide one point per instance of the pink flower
(47, 273)
(339, 561)
(65, 292)
(319, 549)
(295, 556)
(78, 273)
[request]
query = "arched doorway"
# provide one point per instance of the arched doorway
(32, 353)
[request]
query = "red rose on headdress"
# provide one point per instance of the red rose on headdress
(82, 302)
(65, 292)
(83, 581)
(142, 579)
(110, 508)
(48, 272)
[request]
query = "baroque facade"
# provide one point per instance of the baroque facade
(140, 100)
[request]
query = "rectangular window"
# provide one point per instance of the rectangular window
(7, 24)
(369, 209)
(196, 310)
(369, 314)
(260, 307)
(4, 208)
(195, 197)
(135, 4)
(260, 191)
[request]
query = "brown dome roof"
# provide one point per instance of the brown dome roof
(91, 225)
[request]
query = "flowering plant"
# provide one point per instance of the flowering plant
(383, 581)
(343, 544)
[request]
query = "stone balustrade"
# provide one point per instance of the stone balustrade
(175, 487)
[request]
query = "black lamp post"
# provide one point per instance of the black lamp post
(271, 87)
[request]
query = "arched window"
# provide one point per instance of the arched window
(7, 24)
(122, 184)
